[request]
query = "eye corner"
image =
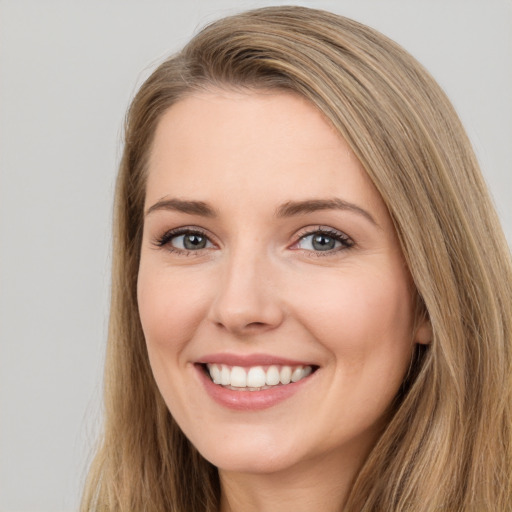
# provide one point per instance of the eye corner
(322, 241)
(175, 241)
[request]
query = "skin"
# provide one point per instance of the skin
(259, 286)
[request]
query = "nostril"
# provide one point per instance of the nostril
(242, 309)
(243, 327)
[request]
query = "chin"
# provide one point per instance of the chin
(253, 456)
(255, 465)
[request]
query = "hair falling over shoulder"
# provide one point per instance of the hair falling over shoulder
(448, 445)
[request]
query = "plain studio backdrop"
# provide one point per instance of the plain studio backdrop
(67, 72)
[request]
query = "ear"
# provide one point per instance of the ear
(423, 333)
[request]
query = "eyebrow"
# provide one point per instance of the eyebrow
(184, 206)
(292, 208)
(288, 209)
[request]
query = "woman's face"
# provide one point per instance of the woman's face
(268, 257)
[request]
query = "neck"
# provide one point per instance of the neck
(311, 485)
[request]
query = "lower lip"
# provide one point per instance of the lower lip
(249, 400)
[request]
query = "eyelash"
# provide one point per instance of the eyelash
(166, 239)
(338, 236)
(345, 241)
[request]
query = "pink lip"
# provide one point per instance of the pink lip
(249, 400)
(250, 360)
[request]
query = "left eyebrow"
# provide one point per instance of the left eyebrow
(291, 208)
(184, 206)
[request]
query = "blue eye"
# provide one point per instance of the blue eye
(190, 242)
(185, 240)
(324, 241)
(319, 242)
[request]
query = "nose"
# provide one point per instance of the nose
(248, 297)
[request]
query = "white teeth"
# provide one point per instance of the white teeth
(272, 377)
(225, 376)
(215, 373)
(285, 375)
(300, 373)
(238, 377)
(297, 374)
(256, 377)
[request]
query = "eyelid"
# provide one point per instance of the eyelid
(346, 241)
(164, 240)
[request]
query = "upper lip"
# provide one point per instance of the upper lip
(250, 360)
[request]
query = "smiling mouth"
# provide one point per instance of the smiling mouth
(256, 378)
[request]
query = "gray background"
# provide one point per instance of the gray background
(67, 71)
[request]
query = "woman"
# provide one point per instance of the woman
(311, 303)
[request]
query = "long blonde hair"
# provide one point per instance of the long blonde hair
(448, 444)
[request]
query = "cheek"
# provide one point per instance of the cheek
(171, 306)
(365, 322)
(359, 315)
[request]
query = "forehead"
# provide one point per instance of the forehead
(265, 144)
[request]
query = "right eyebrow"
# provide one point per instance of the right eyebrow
(185, 206)
(292, 208)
